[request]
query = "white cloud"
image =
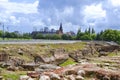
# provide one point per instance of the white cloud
(115, 3)
(13, 20)
(49, 20)
(61, 14)
(68, 11)
(3, 0)
(38, 23)
(93, 14)
(13, 7)
(18, 14)
(68, 26)
(54, 27)
(94, 11)
(72, 13)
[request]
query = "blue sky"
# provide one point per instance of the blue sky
(25, 15)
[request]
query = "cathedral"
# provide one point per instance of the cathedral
(51, 32)
(60, 31)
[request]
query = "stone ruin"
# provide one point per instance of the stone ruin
(54, 56)
(105, 48)
(4, 57)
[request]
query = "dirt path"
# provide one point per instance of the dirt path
(36, 41)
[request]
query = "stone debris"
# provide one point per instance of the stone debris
(4, 57)
(54, 76)
(81, 73)
(1, 77)
(79, 77)
(33, 74)
(44, 77)
(30, 66)
(44, 66)
(12, 68)
(70, 77)
(24, 77)
(70, 71)
(55, 56)
(30, 79)
(48, 66)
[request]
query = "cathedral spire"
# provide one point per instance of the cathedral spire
(60, 31)
(61, 28)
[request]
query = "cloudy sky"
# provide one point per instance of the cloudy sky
(27, 15)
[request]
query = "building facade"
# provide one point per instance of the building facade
(46, 31)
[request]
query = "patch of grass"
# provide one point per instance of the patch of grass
(70, 61)
(89, 78)
(97, 61)
(113, 54)
(7, 39)
(69, 47)
(11, 76)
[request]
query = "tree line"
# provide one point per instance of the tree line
(106, 35)
(88, 34)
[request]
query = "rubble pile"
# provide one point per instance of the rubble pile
(78, 72)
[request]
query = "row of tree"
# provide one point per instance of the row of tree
(106, 35)
(88, 34)
(15, 35)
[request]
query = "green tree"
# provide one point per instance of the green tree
(111, 35)
(86, 37)
(86, 31)
(99, 36)
(26, 36)
(89, 30)
(55, 37)
(79, 31)
(93, 31)
(93, 36)
(66, 37)
(79, 34)
(14, 35)
(48, 36)
(8, 35)
(1, 32)
(11, 35)
(39, 36)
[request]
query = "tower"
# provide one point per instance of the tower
(61, 29)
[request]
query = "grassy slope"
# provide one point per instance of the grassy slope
(34, 49)
(37, 49)
(70, 47)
